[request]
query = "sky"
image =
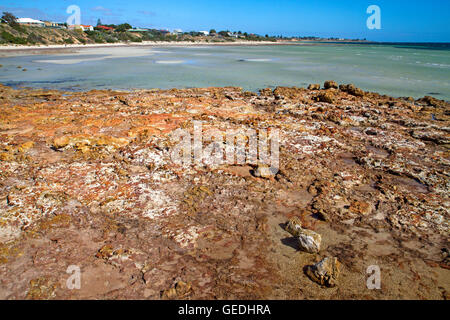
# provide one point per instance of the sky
(401, 20)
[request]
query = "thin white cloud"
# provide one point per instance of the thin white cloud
(104, 11)
(100, 8)
(147, 13)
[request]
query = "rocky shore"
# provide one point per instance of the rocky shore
(87, 180)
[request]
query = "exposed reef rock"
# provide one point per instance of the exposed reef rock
(327, 97)
(325, 272)
(314, 86)
(330, 85)
(351, 89)
(89, 179)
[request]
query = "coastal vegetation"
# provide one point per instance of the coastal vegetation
(27, 35)
(35, 36)
(12, 32)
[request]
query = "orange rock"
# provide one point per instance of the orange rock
(360, 207)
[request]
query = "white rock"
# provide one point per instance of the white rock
(309, 241)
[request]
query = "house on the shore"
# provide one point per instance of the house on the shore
(205, 33)
(104, 28)
(50, 24)
(87, 27)
(30, 22)
(81, 27)
(177, 32)
(138, 30)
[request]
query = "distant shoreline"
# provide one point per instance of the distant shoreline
(17, 47)
(26, 48)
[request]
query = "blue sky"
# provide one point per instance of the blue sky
(401, 20)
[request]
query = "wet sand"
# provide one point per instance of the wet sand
(11, 50)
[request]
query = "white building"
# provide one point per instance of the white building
(87, 27)
(30, 22)
(81, 27)
(205, 33)
(51, 24)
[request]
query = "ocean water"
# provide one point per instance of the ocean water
(393, 69)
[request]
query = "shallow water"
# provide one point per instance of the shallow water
(397, 70)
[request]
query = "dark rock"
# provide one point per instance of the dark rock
(325, 97)
(314, 86)
(330, 85)
(351, 89)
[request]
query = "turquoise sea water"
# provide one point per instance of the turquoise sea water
(393, 69)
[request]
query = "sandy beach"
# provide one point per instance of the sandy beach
(39, 48)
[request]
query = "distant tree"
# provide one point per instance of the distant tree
(123, 27)
(245, 34)
(99, 22)
(224, 33)
(9, 18)
(212, 31)
(267, 35)
(239, 32)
